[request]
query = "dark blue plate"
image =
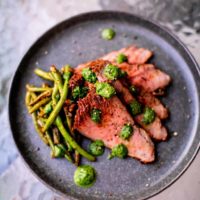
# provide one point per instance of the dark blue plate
(77, 40)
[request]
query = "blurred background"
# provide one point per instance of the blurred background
(23, 21)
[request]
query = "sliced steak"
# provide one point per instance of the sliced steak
(134, 55)
(160, 133)
(146, 76)
(114, 116)
(155, 129)
(151, 101)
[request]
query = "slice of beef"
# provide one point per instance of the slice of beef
(150, 100)
(155, 129)
(146, 76)
(114, 116)
(134, 55)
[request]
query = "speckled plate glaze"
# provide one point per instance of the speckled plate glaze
(77, 40)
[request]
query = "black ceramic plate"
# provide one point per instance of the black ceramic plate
(77, 40)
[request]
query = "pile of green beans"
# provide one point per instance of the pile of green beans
(46, 104)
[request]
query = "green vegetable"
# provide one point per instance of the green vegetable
(56, 136)
(111, 72)
(84, 176)
(119, 151)
(61, 151)
(50, 142)
(121, 73)
(96, 148)
(95, 115)
(40, 97)
(65, 153)
(43, 74)
(121, 58)
(89, 75)
(64, 70)
(126, 132)
(39, 104)
(149, 116)
(69, 139)
(133, 90)
(58, 106)
(105, 89)
(48, 108)
(136, 108)
(58, 78)
(79, 92)
(36, 89)
(58, 152)
(37, 128)
(54, 95)
(108, 34)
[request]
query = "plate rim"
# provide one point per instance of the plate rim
(85, 14)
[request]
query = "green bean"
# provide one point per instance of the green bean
(71, 141)
(36, 89)
(27, 99)
(68, 157)
(54, 93)
(43, 74)
(38, 105)
(43, 95)
(48, 136)
(58, 106)
(57, 78)
(69, 124)
(54, 99)
(34, 117)
(51, 143)
(45, 85)
(68, 119)
(37, 128)
(77, 158)
(48, 108)
(33, 96)
(56, 136)
(77, 155)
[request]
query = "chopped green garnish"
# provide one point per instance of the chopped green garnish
(122, 73)
(121, 58)
(59, 151)
(48, 108)
(136, 108)
(108, 34)
(126, 132)
(105, 89)
(119, 151)
(149, 116)
(89, 75)
(133, 90)
(95, 115)
(111, 72)
(96, 148)
(79, 92)
(57, 97)
(84, 176)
